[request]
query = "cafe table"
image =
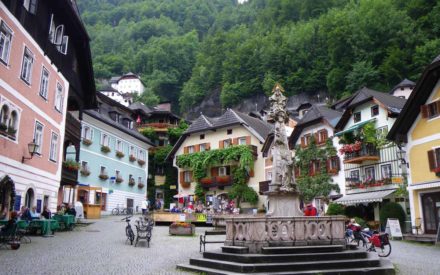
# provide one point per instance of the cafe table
(67, 220)
(21, 224)
(47, 226)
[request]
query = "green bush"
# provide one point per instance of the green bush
(335, 209)
(392, 210)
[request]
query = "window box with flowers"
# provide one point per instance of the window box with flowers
(87, 142)
(85, 172)
(3, 128)
(119, 154)
(182, 229)
(11, 132)
(105, 149)
(119, 179)
(71, 165)
(223, 179)
(141, 185)
(131, 182)
(103, 176)
(141, 162)
(132, 158)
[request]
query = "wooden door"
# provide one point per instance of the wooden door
(431, 212)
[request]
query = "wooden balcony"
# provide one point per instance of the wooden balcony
(157, 126)
(69, 177)
(367, 152)
(263, 186)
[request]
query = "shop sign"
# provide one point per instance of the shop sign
(397, 180)
(393, 228)
(173, 187)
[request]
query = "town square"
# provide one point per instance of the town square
(219, 137)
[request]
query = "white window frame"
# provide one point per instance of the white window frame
(38, 137)
(51, 29)
(44, 83)
(84, 164)
(31, 6)
(103, 171)
(105, 139)
(187, 176)
(87, 134)
(367, 172)
(59, 97)
(64, 45)
(139, 179)
(6, 41)
(26, 66)
(202, 147)
(227, 143)
(269, 175)
(222, 171)
(191, 149)
(58, 35)
(141, 154)
(132, 151)
(53, 147)
(119, 146)
(241, 141)
(386, 169)
(117, 174)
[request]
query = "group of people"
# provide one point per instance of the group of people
(66, 209)
(190, 208)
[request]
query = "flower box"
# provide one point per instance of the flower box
(119, 180)
(71, 165)
(131, 182)
(206, 180)
(182, 229)
(141, 185)
(85, 172)
(105, 149)
(119, 154)
(103, 176)
(141, 162)
(131, 158)
(223, 179)
(87, 142)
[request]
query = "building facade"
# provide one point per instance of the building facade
(372, 166)
(113, 157)
(418, 129)
(38, 86)
(231, 129)
(128, 83)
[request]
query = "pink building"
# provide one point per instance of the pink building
(34, 93)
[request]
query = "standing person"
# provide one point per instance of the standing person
(46, 213)
(310, 210)
(71, 210)
(144, 207)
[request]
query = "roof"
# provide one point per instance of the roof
(393, 104)
(316, 114)
(109, 89)
(418, 97)
(109, 105)
(260, 129)
(404, 83)
(352, 199)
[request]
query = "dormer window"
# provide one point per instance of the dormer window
(57, 37)
(31, 6)
(357, 117)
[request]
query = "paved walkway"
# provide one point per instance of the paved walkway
(100, 248)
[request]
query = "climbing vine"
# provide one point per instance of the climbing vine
(240, 190)
(319, 183)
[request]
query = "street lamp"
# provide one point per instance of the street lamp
(32, 148)
(401, 155)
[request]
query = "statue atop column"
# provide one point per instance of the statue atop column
(282, 171)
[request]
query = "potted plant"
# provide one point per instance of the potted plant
(131, 158)
(85, 172)
(11, 131)
(71, 165)
(119, 179)
(119, 154)
(105, 149)
(3, 128)
(131, 182)
(182, 229)
(140, 185)
(87, 142)
(206, 180)
(141, 162)
(223, 179)
(103, 176)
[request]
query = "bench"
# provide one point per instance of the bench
(203, 240)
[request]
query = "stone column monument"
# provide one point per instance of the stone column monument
(282, 195)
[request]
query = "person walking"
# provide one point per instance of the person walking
(310, 210)
(144, 207)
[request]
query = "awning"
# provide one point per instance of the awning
(375, 196)
(354, 127)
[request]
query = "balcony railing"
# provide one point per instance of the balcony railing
(157, 125)
(264, 186)
(367, 151)
(217, 181)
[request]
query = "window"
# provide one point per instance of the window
(374, 111)
(354, 176)
(103, 170)
(305, 140)
(132, 151)
(38, 137)
(119, 146)
(141, 155)
(5, 42)
(105, 140)
(222, 171)
(202, 147)
(202, 136)
(369, 174)
(434, 160)
(87, 133)
(139, 179)
(357, 117)
(59, 98)
(382, 132)
(26, 68)
(226, 143)
(431, 110)
(322, 136)
(63, 47)
(118, 174)
(187, 176)
(84, 165)
(333, 165)
(242, 141)
(44, 83)
(229, 131)
(53, 147)
(269, 175)
(191, 149)
(31, 6)
(386, 171)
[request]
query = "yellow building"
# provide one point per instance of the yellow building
(418, 128)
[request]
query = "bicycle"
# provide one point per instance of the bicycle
(144, 230)
(380, 243)
(119, 211)
(128, 230)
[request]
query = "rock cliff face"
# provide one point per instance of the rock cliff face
(211, 105)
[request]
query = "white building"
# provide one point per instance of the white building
(128, 83)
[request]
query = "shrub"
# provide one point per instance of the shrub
(105, 149)
(335, 209)
(119, 154)
(392, 210)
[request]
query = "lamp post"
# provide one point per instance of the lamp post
(32, 148)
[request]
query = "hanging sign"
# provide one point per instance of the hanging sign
(393, 228)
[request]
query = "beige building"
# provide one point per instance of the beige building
(231, 129)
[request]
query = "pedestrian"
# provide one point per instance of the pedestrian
(310, 210)
(144, 207)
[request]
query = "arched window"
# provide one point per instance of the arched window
(13, 120)
(4, 114)
(29, 201)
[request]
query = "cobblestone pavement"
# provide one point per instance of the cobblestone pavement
(100, 248)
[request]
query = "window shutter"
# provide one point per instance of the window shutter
(303, 143)
(328, 163)
(324, 135)
(431, 159)
(424, 111)
(207, 146)
(248, 140)
(311, 168)
(185, 150)
(191, 176)
(182, 177)
(251, 173)
(316, 137)
(234, 141)
(438, 107)
(214, 171)
(220, 144)
(197, 148)
(338, 166)
(228, 170)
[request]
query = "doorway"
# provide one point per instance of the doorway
(29, 200)
(431, 212)
(130, 204)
